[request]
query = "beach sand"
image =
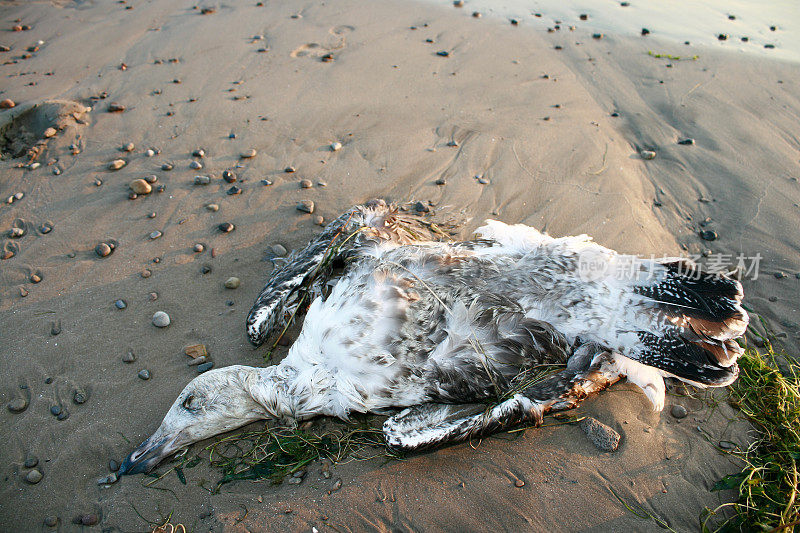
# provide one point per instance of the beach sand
(528, 112)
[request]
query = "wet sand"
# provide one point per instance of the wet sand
(506, 106)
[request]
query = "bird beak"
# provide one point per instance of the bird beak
(149, 454)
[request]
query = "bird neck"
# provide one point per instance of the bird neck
(271, 388)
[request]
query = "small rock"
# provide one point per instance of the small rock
(51, 521)
(144, 374)
(117, 164)
(648, 154)
(155, 235)
(113, 465)
(602, 436)
(89, 519)
(722, 37)
(198, 248)
(55, 410)
(199, 153)
(336, 146)
(205, 367)
(234, 190)
(709, 235)
(687, 141)
(678, 411)
(202, 180)
(130, 147)
(295, 480)
(129, 357)
(35, 278)
(23, 292)
(115, 107)
(228, 176)
(419, 207)
(484, 181)
(306, 206)
(34, 476)
(266, 182)
(306, 184)
(195, 165)
(7, 104)
(167, 166)
(279, 250)
(319, 220)
(645, 31)
(337, 485)
(247, 154)
(140, 186)
(226, 227)
(597, 36)
(443, 53)
(108, 480)
(212, 207)
(150, 152)
(151, 215)
(18, 405)
(198, 361)
(79, 396)
(103, 249)
(196, 351)
(289, 169)
(161, 319)
(46, 228)
(726, 445)
(146, 273)
(232, 283)
(30, 461)
(778, 275)
(50, 132)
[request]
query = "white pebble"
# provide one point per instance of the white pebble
(161, 319)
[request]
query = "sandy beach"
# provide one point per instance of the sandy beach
(474, 117)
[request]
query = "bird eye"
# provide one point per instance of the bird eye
(189, 404)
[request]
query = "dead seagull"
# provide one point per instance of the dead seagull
(443, 329)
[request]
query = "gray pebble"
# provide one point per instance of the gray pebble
(144, 374)
(295, 480)
(234, 190)
(51, 521)
(197, 361)
(120, 304)
(779, 275)
(202, 180)
(709, 235)
(199, 153)
(108, 480)
(648, 154)
(198, 248)
(31, 461)
(726, 445)
(161, 319)
(686, 142)
(129, 357)
(226, 227)
(63, 415)
(195, 165)
(155, 235)
(79, 396)
(602, 436)
(678, 411)
(306, 206)
(306, 184)
(232, 283)
(113, 465)
(33, 477)
(266, 183)
(483, 181)
(279, 250)
(336, 146)
(55, 410)
(228, 176)
(167, 166)
(18, 405)
(102, 249)
(205, 367)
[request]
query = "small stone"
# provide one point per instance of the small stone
(198, 361)
(30, 461)
(206, 269)
(212, 207)
(709, 235)
(167, 166)
(319, 220)
(144, 374)
(266, 182)
(678, 411)
(50, 132)
(337, 485)
(778, 275)
(115, 107)
(150, 152)
(202, 180)
(336, 146)
(129, 357)
(289, 169)
(108, 480)
(205, 367)
(726, 445)
(198, 248)
(228, 176)
(55, 410)
(34, 476)
(519, 483)
(146, 273)
(113, 465)
(161, 319)
(279, 250)
(483, 181)
(295, 480)
(117, 164)
(234, 190)
(597, 36)
(773, 299)
(199, 153)
(23, 292)
(247, 154)
(419, 207)
(196, 350)
(7, 104)
(16, 233)
(645, 31)
(722, 37)
(232, 283)
(306, 184)
(648, 154)
(155, 235)
(687, 141)
(602, 436)
(452, 144)
(226, 227)
(46, 228)
(140, 186)
(18, 405)
(89, 519)
(51, 521)
(195, 165)
(458, 3)
(129, 147)
(476, 14)
(132, 196)
(103, 249)
(306, 206)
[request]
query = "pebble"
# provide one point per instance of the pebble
(597, 36)
(79, 396)
(319, 220)
(419, 207)
(289, 169)
(130, 147)
(103, 249)
(7, 104)
(161, 319)
(306, 206)
(247, 154)
(113, 465)
(226, 227)
(108, 480)
(16, 233)
(726, 445)
(167, 166)
(46, 228)
(279, 250)
(648, 154)
(144, 374)
(686, 142)
(709, 235)
(146, 273)
(196, 165)
(23, 292)
(51, 521)
(198, 248)
(519, 483)
(129, 357)
(199, 153)
(205, 367)
(678, 411)
(232, 283)
(150, 152)
(602, 436)
(18, 405)
(266, 182)
(212, 207)
(779, 275)
(295, 480)
(645, 31)
(30, 461)
(89, 519)
(117, 164)
(336, 146)
(443, 53)
(115, 107)
(196, 351)
(234, 190)
(202, 180)
(151, 215)
(155, 235)
(50, 132)
(306, 184)
(140, 186)
(55, 410)
(198, 361)
(34, 476)
(483, 181)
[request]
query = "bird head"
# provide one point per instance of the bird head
(212, 403)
